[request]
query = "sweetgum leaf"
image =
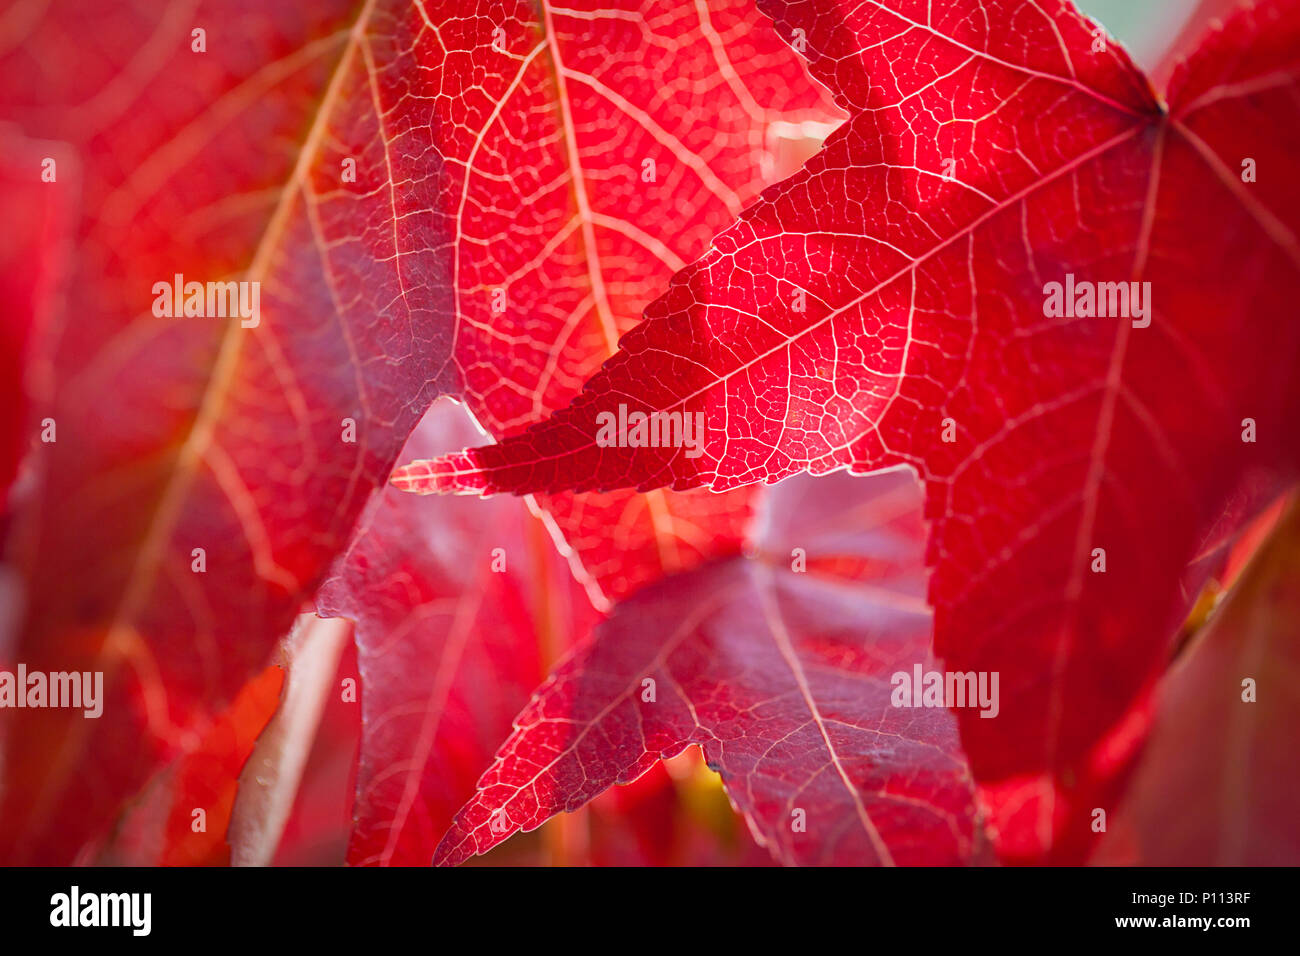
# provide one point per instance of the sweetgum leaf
(638, 131)
(892, 294)
(382, 169)
(781, 675)
(712, 98)
(459, 611)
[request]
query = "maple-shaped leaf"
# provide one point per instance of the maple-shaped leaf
(378, 172)
(634, 133)
(897, 301)
(459, 612)
(1217, 782)
(782, 668)
(700, 124)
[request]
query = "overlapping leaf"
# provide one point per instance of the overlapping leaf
(637, 130)
(630, 135)
(382, 170)
(782, 675)
(459, 612)
(888, 303)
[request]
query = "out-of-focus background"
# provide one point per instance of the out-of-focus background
(1145, 27)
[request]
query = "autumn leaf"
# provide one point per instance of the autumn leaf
(637, 131)
(172, 434)
(379, 172)
(702, 118)
(783, 671)
(892, 303)
(707, 114)
(475, 200)
(459, 612)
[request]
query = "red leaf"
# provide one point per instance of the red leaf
(577, 266)
(664, 119)
(459, 609)
(483, 161)
(783, 678)
(1048, 818)
(1217, 782)
(620, 541)
(924, 301)
(173, 434)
